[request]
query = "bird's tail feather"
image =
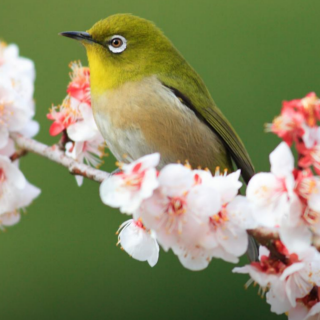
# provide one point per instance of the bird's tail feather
(253, 250)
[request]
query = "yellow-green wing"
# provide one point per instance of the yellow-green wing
(191, 89)
(236, 148)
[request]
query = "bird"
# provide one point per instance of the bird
(147, 98)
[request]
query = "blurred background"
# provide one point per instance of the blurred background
(61, 261)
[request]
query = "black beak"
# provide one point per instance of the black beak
(78, 35)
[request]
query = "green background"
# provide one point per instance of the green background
(61, 261)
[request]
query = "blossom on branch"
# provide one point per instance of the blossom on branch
(272, 194)
(287, 280)
(15, 191)
(127, 189)
(17, 108)
(197, 215)
(74, 118)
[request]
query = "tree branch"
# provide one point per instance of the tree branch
(263, 235)
(54, 154)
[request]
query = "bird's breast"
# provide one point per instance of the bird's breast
(144, 116)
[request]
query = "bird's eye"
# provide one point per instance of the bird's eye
(117, 44)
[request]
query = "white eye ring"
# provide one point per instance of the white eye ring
(122, 44)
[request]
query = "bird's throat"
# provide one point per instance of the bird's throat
(103, 74)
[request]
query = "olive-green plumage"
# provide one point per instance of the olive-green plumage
(148, 98)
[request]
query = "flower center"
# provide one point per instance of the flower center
(219, 218)
(310, 216)
(176, 206)
(269, 266)
(139, 224)
(282, 124)
(310, 105)
(307, 187)
(135, 179)
(312, 298)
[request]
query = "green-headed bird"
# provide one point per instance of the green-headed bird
(146, 98)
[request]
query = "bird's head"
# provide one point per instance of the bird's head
(124, 48)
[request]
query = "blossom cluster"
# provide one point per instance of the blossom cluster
(200, 215)
(287, 201)
(17, 75)
(73, 119)
(196, 214)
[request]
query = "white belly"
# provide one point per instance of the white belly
(125, 144)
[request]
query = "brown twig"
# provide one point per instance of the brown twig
(266, 238)
(54, 153)
(18, 154)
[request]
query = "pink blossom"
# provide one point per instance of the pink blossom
(198, 216)
(308, 307)
(63, 116)
(135, 183)
(79, 87)
(310, 150)
(288, 126)
(177, 207)
(289, 279)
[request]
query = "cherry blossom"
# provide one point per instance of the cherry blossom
(128, 188)
(63, 116)
(74, 118)
(287, 280)
(272, 194)
(15, 191)
(198, 215)
(296, 117)
(288, 126)
(265, 272)
(79, 87)
(174, 210)
(13, 64)
(226, 230)
(85, 128)
(310, 149)
(308, 307)
(89, 152)
(16, 94)
(139, 242)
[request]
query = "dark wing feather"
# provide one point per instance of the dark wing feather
(235, 146)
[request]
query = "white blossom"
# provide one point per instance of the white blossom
(15, 191)
(128, 188)
(272, 194)
(139, 242)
